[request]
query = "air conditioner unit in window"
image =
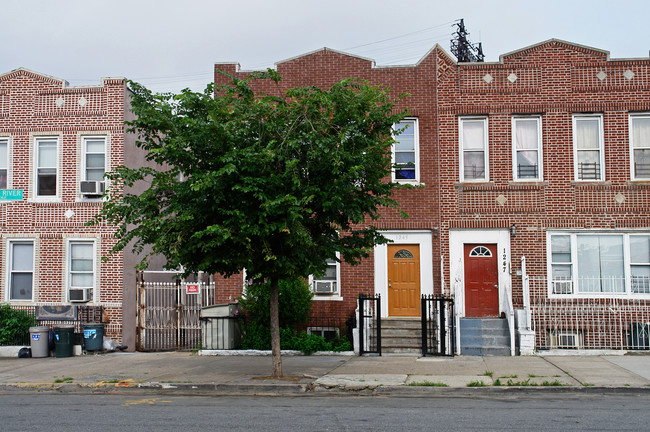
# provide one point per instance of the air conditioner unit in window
(91, 188)
(324, 287)
(562, 287)
(80, 295)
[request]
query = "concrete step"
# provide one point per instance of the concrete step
(401, 350)
(400, 332)
(484, 351)
(401, 323)
(484, 336)
(400, 342)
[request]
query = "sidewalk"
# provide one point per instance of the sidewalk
(228, 374)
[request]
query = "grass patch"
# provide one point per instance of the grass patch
(63, 380)
(537, 376)
(588, 384)
(557, 376)
(476, 384)
(497, 382)
(524, 383)
(509, 376)
(554, 383)
(427, 384)
(487, 373)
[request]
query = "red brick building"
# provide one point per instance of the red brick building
(543, 155)
(56, 143)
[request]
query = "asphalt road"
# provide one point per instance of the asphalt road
(127, 412)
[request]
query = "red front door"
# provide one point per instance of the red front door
(481, 280)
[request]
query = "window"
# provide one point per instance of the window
(406, 158)
(21, 269)
(473, 149)
(588, 147)
(640, 146)
(4, 162)
(94, 149)
(599, 263)
(327, 284)
(81, 269)
(46, 167)
(527, 148)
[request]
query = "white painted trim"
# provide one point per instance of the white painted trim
(9, 255)
(601, 145)
(67, 266)
(416, 150)
(424, 240)
(7, 140)
(457, 239)
(631, 139)
(540, 158)
(486, 147)
(46, 198)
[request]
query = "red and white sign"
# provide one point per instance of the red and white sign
(192, 289)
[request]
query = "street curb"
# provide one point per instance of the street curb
(309, 389)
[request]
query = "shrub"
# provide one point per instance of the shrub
(14, 325)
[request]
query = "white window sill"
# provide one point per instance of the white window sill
(45, 200)
(334, 297)
(410, 183)
(621, 296)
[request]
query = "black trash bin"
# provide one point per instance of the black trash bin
(93, 336)
(64, 340)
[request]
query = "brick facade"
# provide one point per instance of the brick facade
(552, 83)
(33, 108)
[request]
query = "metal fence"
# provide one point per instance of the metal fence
(438, 329)
(76, 315)
(168, 314)
(591, 323)
(369, 324)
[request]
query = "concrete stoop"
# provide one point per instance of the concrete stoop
(401, 336)
(484, 336)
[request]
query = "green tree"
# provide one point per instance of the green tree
(271, 183)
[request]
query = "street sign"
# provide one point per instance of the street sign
(11, 194)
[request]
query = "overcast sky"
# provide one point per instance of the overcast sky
(169, 45)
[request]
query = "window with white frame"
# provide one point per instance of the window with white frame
(81, 269)
(527, 148)
(94, 158)
(4, 162)
(595, 263)
(588, 147)
(21, 270)
(640, 145)
(46, 167)
(473, 133)
(406, 158)
(327, 283)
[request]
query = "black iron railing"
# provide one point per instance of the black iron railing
(438, 326)
(369, 324)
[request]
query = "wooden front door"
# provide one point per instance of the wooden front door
(481, 280)
(403, 280)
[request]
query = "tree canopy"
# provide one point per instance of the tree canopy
(271, 183)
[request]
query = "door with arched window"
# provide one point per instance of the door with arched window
(403, 280)
(481, 280)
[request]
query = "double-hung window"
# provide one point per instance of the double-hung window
(640, 146)
(46, 167)
(94, 158)
(406, 158)
(4, 162)
(473, 133)
(594, 263)
(527, 148)
(588, 147)
(21, 269)
(81, 269)
(327, 283)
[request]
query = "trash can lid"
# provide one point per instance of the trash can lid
(63, 326)
(39, 329)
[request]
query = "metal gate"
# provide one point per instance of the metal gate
(438, 329)
(168, 314)
(369, 325)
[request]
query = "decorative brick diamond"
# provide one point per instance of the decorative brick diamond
(59, 101)
(488, 78)
(68, 214)
(619, 198)
(628, 74)
(601, 75)
(512, 77)
(82, 102)
(501, 200)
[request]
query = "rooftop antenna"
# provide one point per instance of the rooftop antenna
(462, 48)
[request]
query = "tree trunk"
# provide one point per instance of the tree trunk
(275, 330)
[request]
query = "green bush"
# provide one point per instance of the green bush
(294, 302)
(14, 325)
